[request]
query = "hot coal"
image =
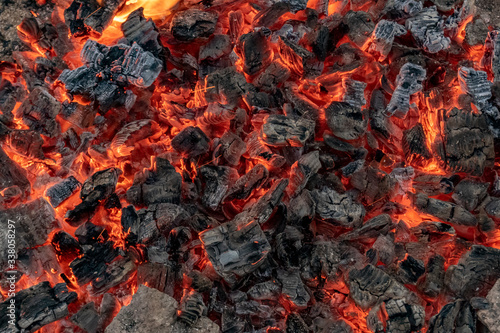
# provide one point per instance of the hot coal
(191, 24)
(346, 121)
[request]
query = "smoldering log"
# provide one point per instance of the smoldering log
(38, 306)
(192, 24)
(427, 29)
(191, 141)
(382, 38)
(466, 144)
(39, 112)
(443, 210)
(338, 208)
(408, 82)
(255, 50)
(235, 248)
(62, 190)
(346, 121)
(280, 130)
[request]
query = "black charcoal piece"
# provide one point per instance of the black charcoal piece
(378, 225)
(199, 281)
(93, 53)
(217, 47)
(236, 248)
(302, 62)
(257, 150)
(404, 8)
(491, 57)
(415, 145)
(280, 130)
(62, 190)
(12, 175)
(476, 32)
(338, 208)
(410, 270)
(193, 23)
(135, 131)
(444, 210)
(80, 81)
(296, 5)
(456, 316)
(469, 194)
(427, 29)
(264, 207)
(162, 184)
(404, 317)
(142, 31)
(102, 17)
(26, 142)
(230, 147)
(445, 5)
(302, 170)
(93, 263)
(293, 288)
(354, 92)
(302, 106)
(295, 324)
(271, 77)
(89, 233)
(373, 184)
(382, 38)
(476, 84)
(191, 308)
(268, 16)
(39, 112)
(87, 318)
(360, 26)
(225, 86)
(301, 207)
(118, 271)
(433, 282)
(269, 290)
(216, 113)
(140, 67)
(490, 316)
(255, 50)
(346, 121)
(466, 144)
(408, 82)
(191, 141)
(65, 244)
(217, 180)
(246, 184)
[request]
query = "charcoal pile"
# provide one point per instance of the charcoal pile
(271, 166)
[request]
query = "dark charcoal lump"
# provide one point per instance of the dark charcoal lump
(360, 26)
(62, 190)
(345, 121)
(39, 112)
(338, 208)
(280, 130)
(191, 24)
(444, 210)
(142, 31)
(256, 51)
(191, 141)
(217, 180)
(457, 316)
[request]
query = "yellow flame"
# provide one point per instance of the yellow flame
(155, 9)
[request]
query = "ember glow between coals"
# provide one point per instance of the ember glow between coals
(269, 162)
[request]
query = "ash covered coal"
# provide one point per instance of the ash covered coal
(226, 166)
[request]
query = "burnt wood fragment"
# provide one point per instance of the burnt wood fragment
(302, 170)
(360, 26)
(382, 38)
(217, 180)
(433, 282)
(26, 142)
(123, 142)
(93, 263)
(280, 130)
(476, 84)
(265, 206)
(354, 92)
(191, 141)
(338, 208)
(118, 271)
(275, 74)
(469, 194)
(12, 175)
(302, 207)
(444, 210)
(457, 316)
(142, 31)
(257, 150)
(301, 62)
(404, 317)
(89, 233)
(39, 112)
(246, 184)
(415, 145)
(230, 147)
(87, 318)
(476, 32)
(293, 288)
(268, 290)
(191, 308)
(192, 24)
(62, 190)
(267, 17)
(255, 50)
(490, 316)
(217, 47)
(378, 225)
(427, 27)
(225, 86)
(491, 57)
(65, 245)
(373, 184)
(346, 121)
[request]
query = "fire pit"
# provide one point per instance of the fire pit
(267, 166)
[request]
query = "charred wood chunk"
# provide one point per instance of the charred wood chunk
(230, 147)
(39, 112)
(288, 245)
(12, 175)
(167, 216)
(433, 282)
(9, 95)
(118, 271)
(89, 233)
(295, 324)
(280, 130)
(476, 84)
(445, 5)
(269, 16)
(404, 8)
(371, 285)
(65, 245)
(325, 260)
(338, 208)
(457, 316)
(163, 184)
(360, 26)
(354, 92)
(323, 325)
(140, 67)
(346, 121)
(149, 311)
(75, 14)
(373, 184)
(264, 207)
(293, 288)
(443, 210)
(378, 225)
(476, 32)
(476, 271)
(246, 184)
(236, 248)
(37, 306)
(466, 144)
(300, 61)
(469, 194)
(34, 262)
(226, 86)
(192, 307)
(263, 153)
(302, 170)
(142, 31)
(62, 190)
(255, 50)
(408, 82)
(192, 24)
(155, 275)
(302, 207)
(34, 222)
(427, 28)
(269, 290)
(191, 141)
(271, 77)
(415, 145)
(135, 131)
(103, 16)
(143, 227)
(93, 54)
(80, 81)
(302, 106)
(199, 281)
(404, 317)
(217, 180)
(216, 113)
(433, 184)
(382, 38)
(490, 316)
(27, 143)
(491, 57)
(217, 47)
(87, 318)
(93, 263)
(410, 270)
(296, 5)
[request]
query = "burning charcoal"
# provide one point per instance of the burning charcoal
(235, 248)
(414, 144)
(445, 5)
(140, 67)
(296, 5)
(301, 207)
(301, 61)
(433, 282)
(87, 318)
(295, 324)
(373, 184)
(410, 270)
(155, 275)
(408, 82)
(476, 32)
(65, 244)
(475, 271)
(453, 317)
(327, 325)
(378, 225)
(469, 194)
(12, 175)
(89, 233)
(345, 121)
(338, 208)
(39, 112)
(491, 57)
(192, 24)
(101, 18)
(34, 262)
(492, 208)
(27, 143)
(62, 190)
(80, 81)
(280, 130)
(217, 181)
(37, 306)
(427, 29)
(118, 271)
(371, 285)
(476, 84)
(191, 141)
(268, 290)
(360, 26)
(135, 131)
(92, 264)
(385, 249)
(162, 184)
(490, 316)
(271, 77)
(267, 17)
(231, 147)
(149, 311)
(217, 47)
(288, 245)
(302, 170)
(467, 145)
(404, 317)
(255, 51)
(216, 113)
(192, 308)
(93, 53)
(302, 106)
(261, 152)
(225, 86)
(382, 38)
(244, 186)
(264, 207)
(167, 216)
(9, 95)
(354, 92)
(236, 22)
(293, 288)
(178, 237)
(142, 31)
(199, 282)
(443, 210)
